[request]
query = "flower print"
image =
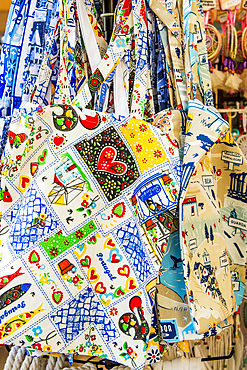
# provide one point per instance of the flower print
(79, 234)
(47, 348)
(171, 150)
(93, 337)
(106, 56)
(88, 344)
(113, 311)
(121, 43)
(14, 169)
(106, 137)
(134, 355)
(18, 157)
(124, 185)
(8, 328)
(91, 157)
(130, 173)
(123, 155)
(119, 142)
(125, 29)
(37, 346)
(155, 240)
(144, 160)
(66, 242)
(75, 279)
(37, 331)
(84, 203)
(150, 140)
(43, 280)
(132, 135)
(38, 136)
(53, 252)
(130, 351)
(72, 351)
(143, 128)
(81, 348)
(101, 180)
(157, 153)
(218, 172)
(153, 356)
(94, 82)
(138, 148)
(91, 225)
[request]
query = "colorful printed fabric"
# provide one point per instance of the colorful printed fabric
(208, 245)
(29, 28)
(85, 222)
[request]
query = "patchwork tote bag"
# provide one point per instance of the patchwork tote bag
(82, 196)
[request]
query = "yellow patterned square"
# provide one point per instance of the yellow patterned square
(145, 145)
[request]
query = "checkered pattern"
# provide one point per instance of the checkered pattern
(79, 314)
(20, 237)
(131, 242)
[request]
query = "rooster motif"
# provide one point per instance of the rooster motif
(129, 320)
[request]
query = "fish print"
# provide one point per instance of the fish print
(13, 294)
(16, 322)
(4, 280)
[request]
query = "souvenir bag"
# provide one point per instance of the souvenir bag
(173, 301)
(86, 212)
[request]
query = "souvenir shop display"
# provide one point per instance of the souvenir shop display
(123, 191)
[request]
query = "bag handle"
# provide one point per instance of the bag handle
(119, 45)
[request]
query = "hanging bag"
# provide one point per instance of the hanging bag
(86, 216)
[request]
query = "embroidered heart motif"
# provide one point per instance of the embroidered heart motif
(115, 256)
(92, 276)
(100, 288)
(110, 244)
(34, 168)
(90, 122)
(86, 261)
(119, 210)
(58, 140)
(106, 298)
(34, 257)
(24, 182)
(124, 271)
(119, 292)
(106, 162)
(42, 157)
(57, 296)
(130, 284)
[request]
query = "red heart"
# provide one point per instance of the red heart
(93, 276)
(124, 271)
(8, 301)
(27, 315)
(111, 243)
(24, 181)
(58, 140)
(132, 284)
(90, 122)
(106, 162)
(100, 288)
(114, 258)
(86, 261)
(118, 292)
